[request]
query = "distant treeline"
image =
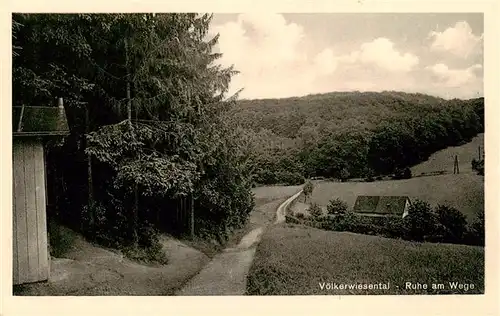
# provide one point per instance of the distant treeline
(343, 135)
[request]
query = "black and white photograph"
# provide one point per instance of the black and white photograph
(248, 154)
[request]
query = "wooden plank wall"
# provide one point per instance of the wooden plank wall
(30, 255)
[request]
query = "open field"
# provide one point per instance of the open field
(267, 194)
(443, 159)
(464, 191)
(297, 260)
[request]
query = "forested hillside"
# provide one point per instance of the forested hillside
(353, 134)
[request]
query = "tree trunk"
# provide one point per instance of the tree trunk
(191, 217)
(135, 210)
(90, 202)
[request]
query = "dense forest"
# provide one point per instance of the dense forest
(148, 144)
(353, 134)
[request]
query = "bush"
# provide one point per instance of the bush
(315, 211)
(336, 206)
(150, 254)
(454, 222)
(476, 232)
(110, 226)
(347, 221)
(61, 239)
(421, 221)
(369, 175)
(308, 189)
(395, 228)
(404, 173)
(478, 166)
(474, 164)
(407, 173)
(344, 174)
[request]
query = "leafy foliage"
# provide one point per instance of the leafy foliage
(421, 222)
(454, 222)
(146, 101)
(402, 173)
(476, 232)
(336, 206)
(478, 166)
(308, 189)
(315, 210)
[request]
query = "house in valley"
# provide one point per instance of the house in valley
(382, 205)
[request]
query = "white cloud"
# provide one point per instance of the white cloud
(455, 77)
(268, 52)
(381, 52)
(458, 40)
(326, 62)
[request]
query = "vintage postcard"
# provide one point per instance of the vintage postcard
(250, 153)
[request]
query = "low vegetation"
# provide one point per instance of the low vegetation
(464, 191)
(60, 239)
(442, 224)
(478, 166)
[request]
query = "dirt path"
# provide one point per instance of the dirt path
(91, 270)
(227, 273)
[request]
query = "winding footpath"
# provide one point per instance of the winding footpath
(226, 273)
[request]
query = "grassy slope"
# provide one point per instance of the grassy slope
(443, 159)
(464, 191)
(293, 260)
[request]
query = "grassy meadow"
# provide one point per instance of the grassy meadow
(297, 260)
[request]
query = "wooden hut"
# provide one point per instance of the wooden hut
(31, 127)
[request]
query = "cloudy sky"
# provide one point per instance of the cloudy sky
(283, 55)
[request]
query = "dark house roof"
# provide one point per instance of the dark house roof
(39, 121)
(382, 205)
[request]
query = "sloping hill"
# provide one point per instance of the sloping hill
(443, 159)
(336, 111)
(352, 134)
(298, 260)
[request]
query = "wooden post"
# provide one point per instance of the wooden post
(456, 169)
(19, 124)
(479, 153)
